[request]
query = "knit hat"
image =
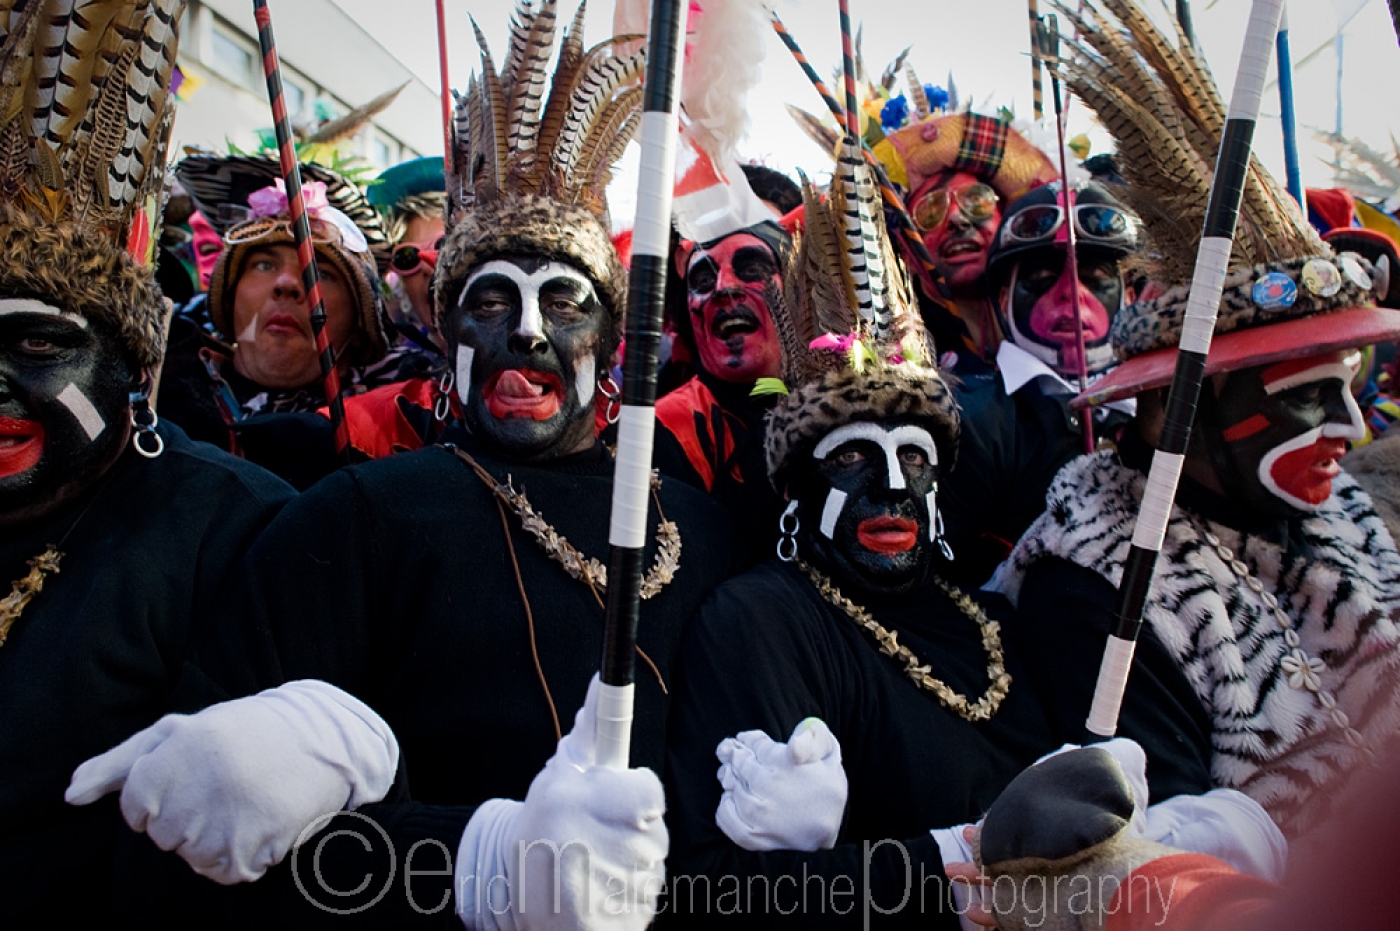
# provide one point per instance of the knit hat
(89, 118)
(854, 345)
(1287, 294)
(224, 188)
(529, 170)
(412, 188)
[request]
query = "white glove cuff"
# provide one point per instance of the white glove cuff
(481, 881)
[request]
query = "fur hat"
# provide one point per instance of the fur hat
(1286, 293)
(529, 171)
(81, 179)
(854, 344)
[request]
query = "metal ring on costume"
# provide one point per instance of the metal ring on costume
(148, 453)
(442, 406)
(790, 553)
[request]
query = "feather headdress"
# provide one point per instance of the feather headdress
(1157, 98)
(84, 90)
(854, 343)
(529, 168)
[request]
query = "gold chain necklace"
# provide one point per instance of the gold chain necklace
(23, 590)
(586, 569)
(888, 641)
(1300, 670)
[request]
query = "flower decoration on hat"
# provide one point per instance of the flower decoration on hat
(1286, 291)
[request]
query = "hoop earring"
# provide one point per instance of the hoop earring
(613, 393)
(442, 405)
(788, 525)
(143, 424)
(938, 537)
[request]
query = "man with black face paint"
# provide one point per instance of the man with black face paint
(457, 589)
(117, 533)
(1020, 430)
(1270, 659)
(851, 625)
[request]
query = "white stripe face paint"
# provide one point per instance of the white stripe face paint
(529, 285)
(82, 410)
(889, 439)
(25, 305)
(831, 513)
(586, 379)
(464, 372)
(931, 499)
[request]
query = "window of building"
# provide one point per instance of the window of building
(294, 95)
(231, 57)
(381, 151)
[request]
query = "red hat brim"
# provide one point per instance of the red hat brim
(1261, 345)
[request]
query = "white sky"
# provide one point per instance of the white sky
(984, 43)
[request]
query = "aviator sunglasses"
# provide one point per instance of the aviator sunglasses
(976, 201)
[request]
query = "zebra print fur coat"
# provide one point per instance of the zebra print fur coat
(1276, 743)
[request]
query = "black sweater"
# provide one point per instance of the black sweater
(393, 580)
(767, 651)
(100, 653)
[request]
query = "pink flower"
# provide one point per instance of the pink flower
(271, 201)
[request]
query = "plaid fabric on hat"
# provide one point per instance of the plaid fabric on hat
(983, 146)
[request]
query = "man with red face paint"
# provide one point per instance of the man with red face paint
(1020, 430)
(710, 430)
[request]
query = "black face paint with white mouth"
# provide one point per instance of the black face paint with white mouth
(529, 339)
(867, 506)
(65, 409)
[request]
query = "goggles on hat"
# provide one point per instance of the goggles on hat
(1100, 224)
(325, 229)
(976, 201)
(410, 257)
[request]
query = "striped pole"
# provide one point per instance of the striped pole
(1183, 16)
(651, 239)
(301, 227)
(1037, 90)
(445, 91)
(1208, 282)
(894, 204)
(1293, 174)
(1048, 49)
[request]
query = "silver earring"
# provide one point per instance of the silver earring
(442, 405)
(613, 393)
(144, 437)
(788, 526)
(938, 537)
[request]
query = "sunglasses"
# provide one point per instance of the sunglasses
(323, 232)
(976, 201)
(409, 258)
(1099, 223)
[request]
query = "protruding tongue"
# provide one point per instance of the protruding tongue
(512, 384)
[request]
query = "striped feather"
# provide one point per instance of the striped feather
(146, 88)
(917, 98)
(601, 79)
(16, 57)
(815, 129)
(845, 202)
(493, 102)
(519, 40)
(526, 84)
(610, 135)
(561, 87)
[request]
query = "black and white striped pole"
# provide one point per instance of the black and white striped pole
(1207, 284)
(651, 239)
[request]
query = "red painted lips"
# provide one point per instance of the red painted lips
(888, 534)
(21, 445)
(523, 393)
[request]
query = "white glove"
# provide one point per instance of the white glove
(1225, 824)
(230, 789)
(782, 796)
(585, 850)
